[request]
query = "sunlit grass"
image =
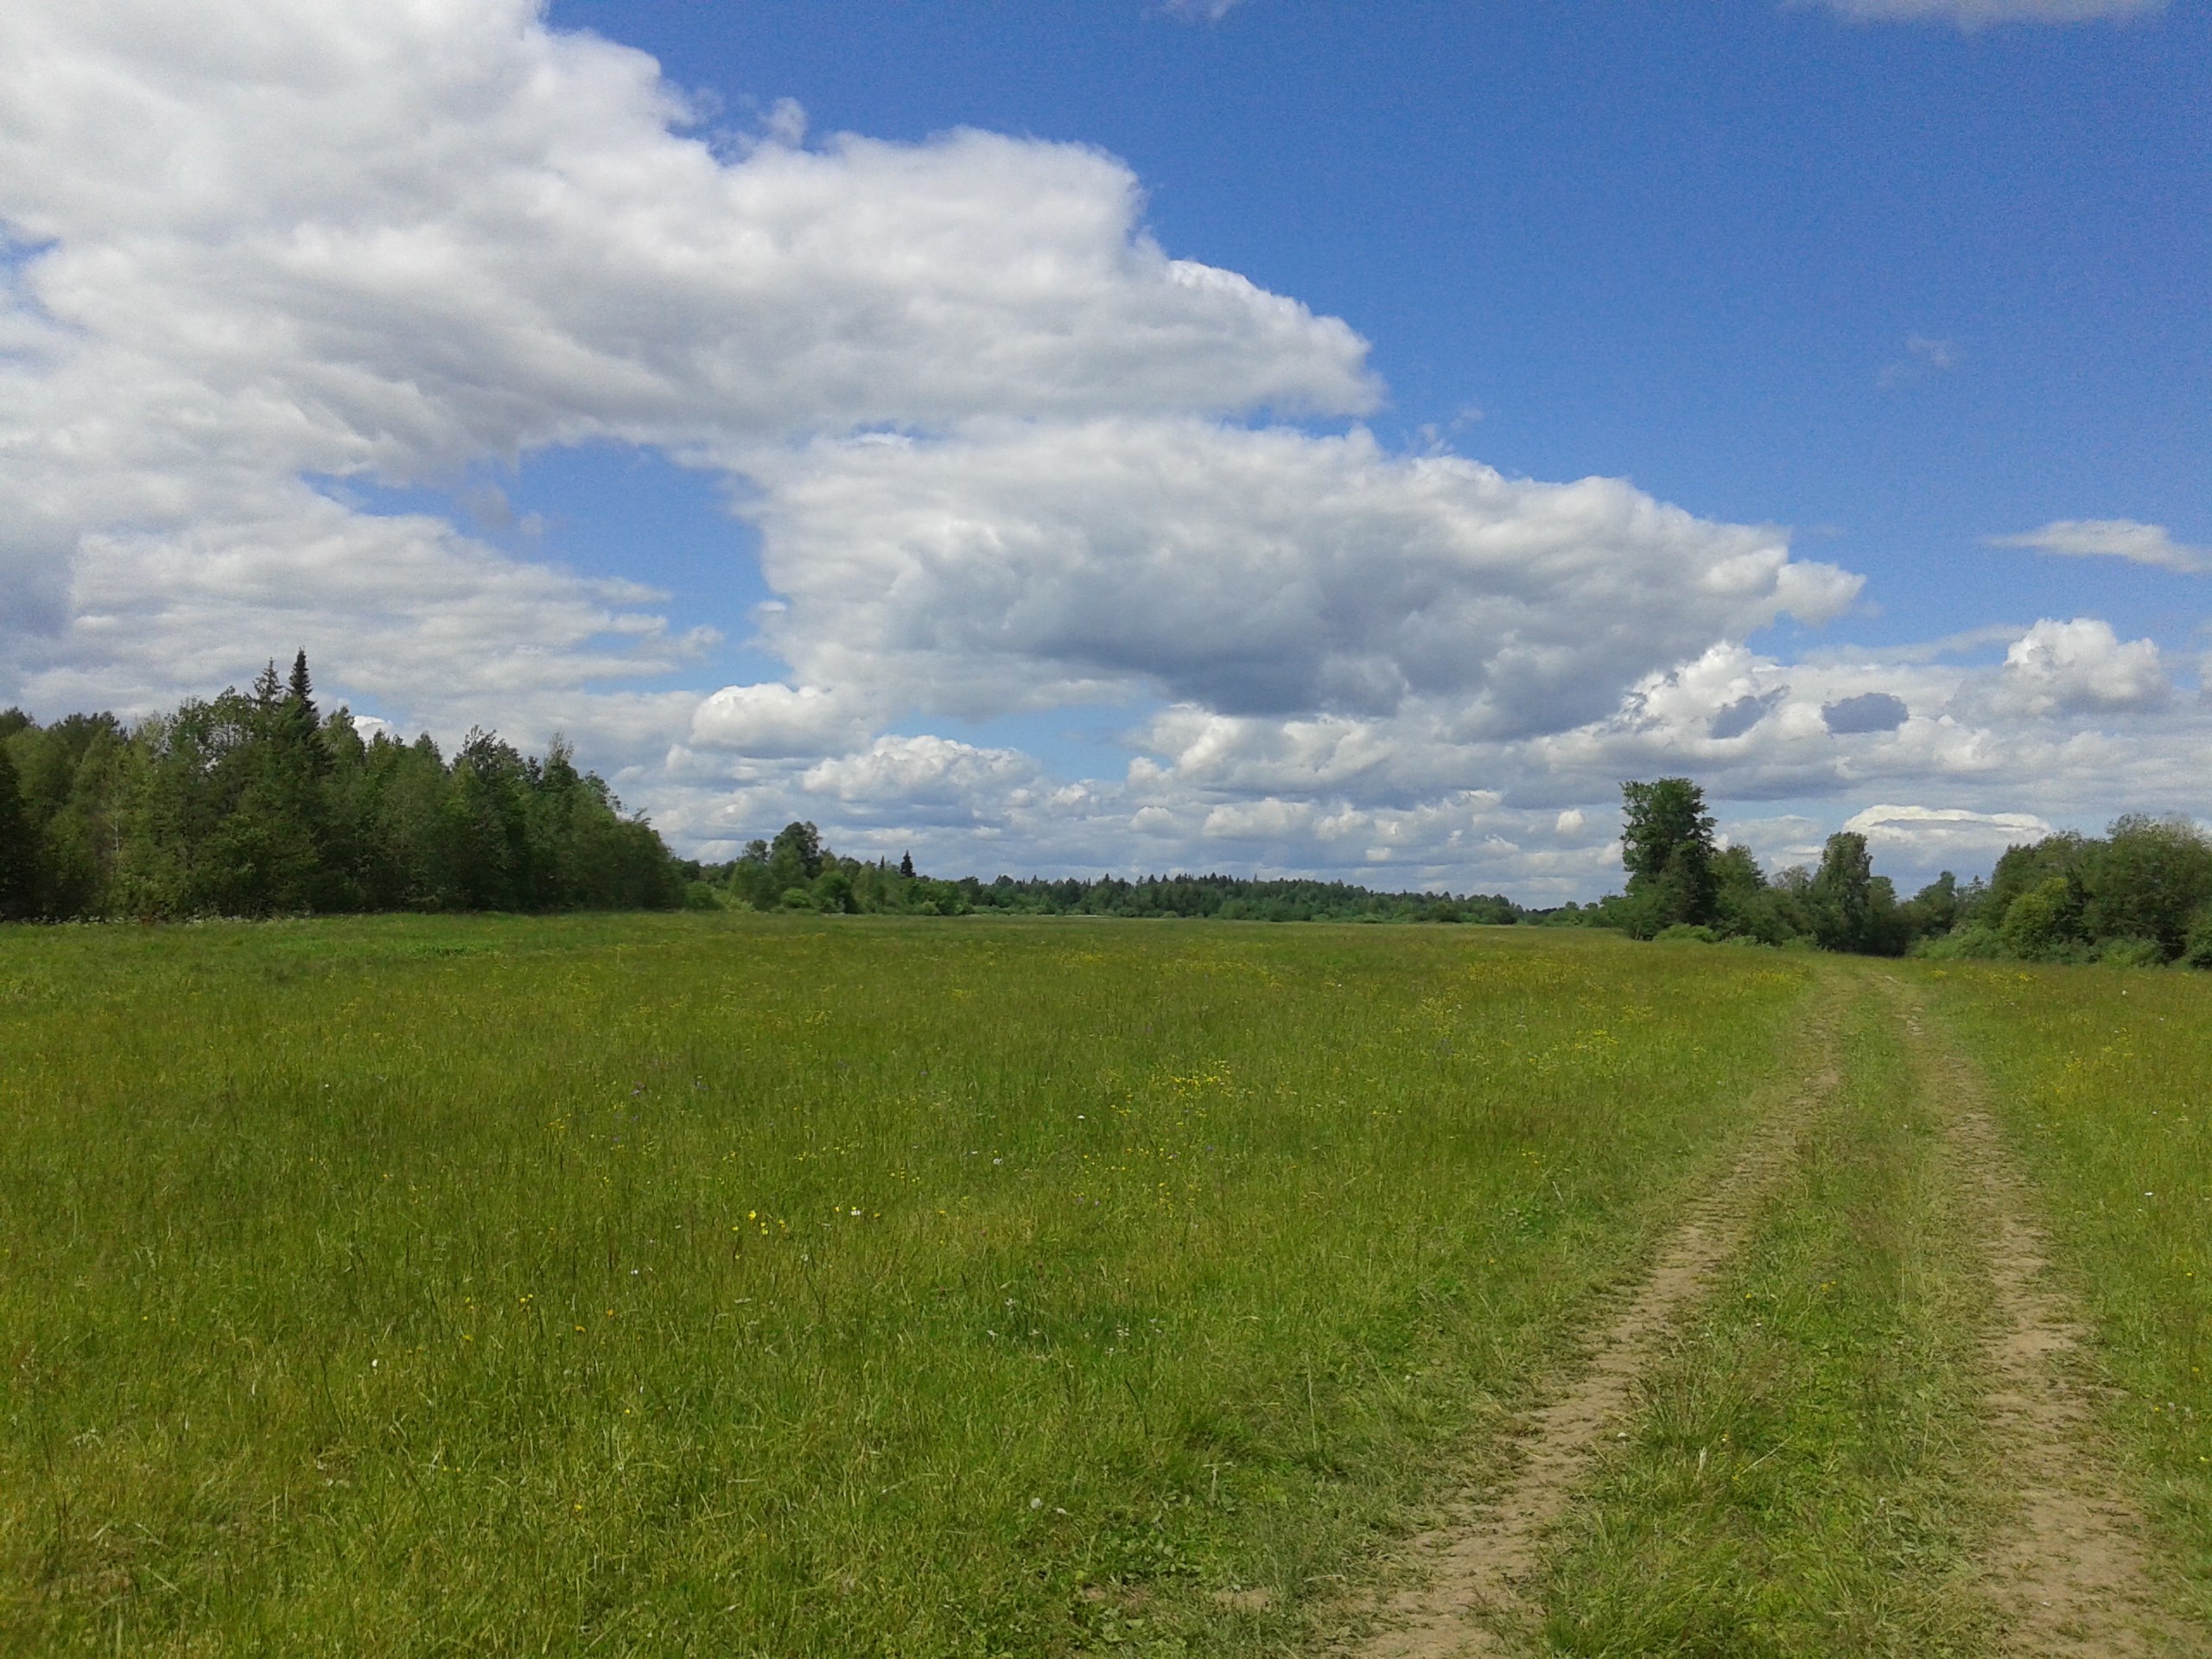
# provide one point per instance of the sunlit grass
(725, 1286)
(2104, 1083)
(1805, 1475)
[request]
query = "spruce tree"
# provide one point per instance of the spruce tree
(18, 846)
(302, 689)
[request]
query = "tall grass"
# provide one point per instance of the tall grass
(2104, 1083)
(731, 1286)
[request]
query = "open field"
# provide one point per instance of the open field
(680, 1285)
(727, 1285)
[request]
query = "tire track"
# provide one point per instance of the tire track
(1474, 1567)
(2067, 1577)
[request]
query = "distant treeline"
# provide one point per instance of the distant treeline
(2141, 895)
(254, 803)
(796, 871)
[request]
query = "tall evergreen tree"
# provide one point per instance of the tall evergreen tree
(18, 847)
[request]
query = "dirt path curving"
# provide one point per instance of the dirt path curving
(1471, 1569)
(2067, 1575)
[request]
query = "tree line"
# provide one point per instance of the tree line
(2140, 894)
(256, 804)
(796, 872)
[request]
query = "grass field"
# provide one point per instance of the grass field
(732, 1285)
(699, 1285)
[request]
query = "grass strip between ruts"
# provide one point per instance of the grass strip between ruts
(1806, 1475)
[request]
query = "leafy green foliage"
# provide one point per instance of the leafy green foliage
(2139, 896)
(18, 845)
(1667, 845)
(255, 805)
(1852, 908)
(2142, 896)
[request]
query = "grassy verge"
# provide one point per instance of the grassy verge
(1802, 1477)
(744, 1286)
(2102, 1080)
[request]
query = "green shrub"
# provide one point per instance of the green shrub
(2132, 953)
(2038, 926)
(2197, 952)
(1975, 941)
(1692, 931)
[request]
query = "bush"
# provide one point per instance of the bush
(2197, 952)
(1691, 932)
(2038, 926)
(2132, 953)
(1973, 943)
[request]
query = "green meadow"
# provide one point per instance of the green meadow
(753, 1285)
(728, 1286)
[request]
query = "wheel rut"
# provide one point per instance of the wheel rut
(1473, 1567)
(2068, 1574)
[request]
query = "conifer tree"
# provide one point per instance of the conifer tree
(18, 846)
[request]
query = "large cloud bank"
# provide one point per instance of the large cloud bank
(1005, 454)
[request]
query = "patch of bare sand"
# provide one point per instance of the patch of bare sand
(2068, 1574)
(1470, 1570)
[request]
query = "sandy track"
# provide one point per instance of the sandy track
(2067, 1575)
(1471, 1569)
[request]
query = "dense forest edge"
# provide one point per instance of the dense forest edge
(256, 803)
(2139, 896)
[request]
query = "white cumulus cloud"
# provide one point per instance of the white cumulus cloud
(2078, 667)
(1004, 452)
(1246, 572)
(256, 243)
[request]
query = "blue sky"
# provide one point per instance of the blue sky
(1688, 245)
(1859, 290)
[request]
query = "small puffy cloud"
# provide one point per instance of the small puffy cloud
(2080, 667)
(2112, 538)
(1981, 14)
(774, 721)
(1870, 711)
(925, 770)
(1266, 819)
(1199, 12)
